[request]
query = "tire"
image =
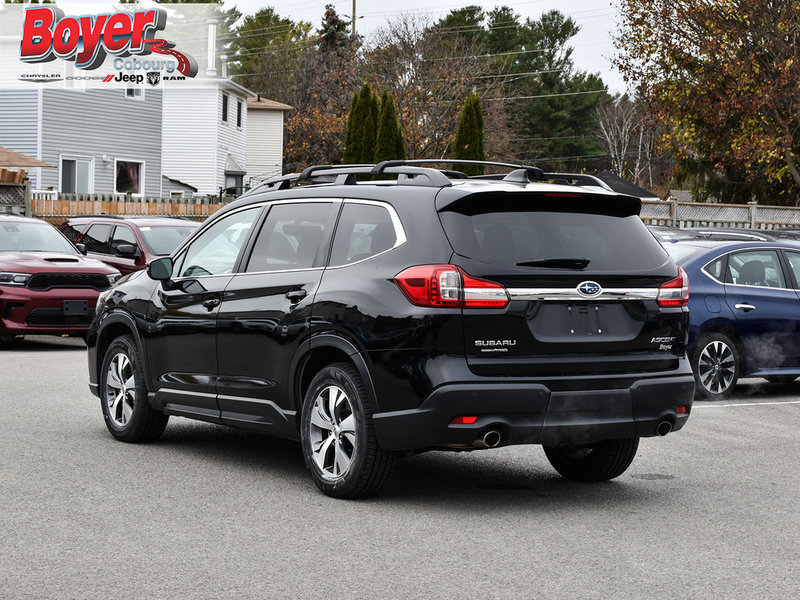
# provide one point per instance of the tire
(123, 395)
(716, 365)
(336, 434)
(781, 379)
(593, 462)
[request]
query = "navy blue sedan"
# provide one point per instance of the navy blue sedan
(744, 306)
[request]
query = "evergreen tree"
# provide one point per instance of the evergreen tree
(389, 143)
(333, 36)
(369, 131)
(354, 132)
(469, 143)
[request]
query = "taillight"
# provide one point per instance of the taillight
(448, 286)
(675, 292)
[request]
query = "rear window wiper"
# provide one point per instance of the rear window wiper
(556, 263)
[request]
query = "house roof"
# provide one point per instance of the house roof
(179, 182)
(260, 103)
(618, 184)
(10, 158)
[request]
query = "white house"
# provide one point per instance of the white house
(264, 138)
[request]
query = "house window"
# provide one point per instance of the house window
(239, 113)
(234, 183)
(225, 108)
(76, 175)
(129, 177)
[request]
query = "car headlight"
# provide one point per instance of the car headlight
(14, 278)
(113, 278)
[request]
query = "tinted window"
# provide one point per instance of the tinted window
(73, 231)
(291, 237)
(716, 269)
(96, 239)
(756, 267)
(508, 238)
(215, 251)
(364, 230)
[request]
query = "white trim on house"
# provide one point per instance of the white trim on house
(76, 157)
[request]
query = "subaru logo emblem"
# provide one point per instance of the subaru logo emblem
(589, 288)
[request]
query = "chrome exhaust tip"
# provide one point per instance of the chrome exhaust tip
(664, 428)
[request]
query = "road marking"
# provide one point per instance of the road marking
(696, 406)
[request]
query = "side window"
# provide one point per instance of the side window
(716, 269)
(794, 263)
(73, 231)
(215, 251)
(96, 239)
(364, 230)
(756, 267)
(291, 237)
(122, 235)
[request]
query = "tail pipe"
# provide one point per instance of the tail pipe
(491, 438)
(663, 428)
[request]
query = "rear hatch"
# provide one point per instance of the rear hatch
(585, 281)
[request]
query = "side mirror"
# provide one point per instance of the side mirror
(126, 250)
(81, 248)
(160, 269)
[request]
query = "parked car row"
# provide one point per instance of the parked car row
(49, 283)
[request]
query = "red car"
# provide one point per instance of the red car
(127, 243)
(46, 285)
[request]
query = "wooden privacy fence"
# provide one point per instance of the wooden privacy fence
(709, 214)
(55, 207)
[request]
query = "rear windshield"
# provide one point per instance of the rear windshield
(509, 238)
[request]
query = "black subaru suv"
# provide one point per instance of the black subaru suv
(374, 310)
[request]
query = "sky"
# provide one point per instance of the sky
(593, 47)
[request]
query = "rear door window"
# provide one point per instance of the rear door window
(521, 237)
(364, 230)
(760, 268)
(122, 235)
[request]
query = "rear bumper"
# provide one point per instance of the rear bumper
(532, 413)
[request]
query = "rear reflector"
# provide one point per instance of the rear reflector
(463, 420)
(448, 286)
(681, 410)
(674, 293)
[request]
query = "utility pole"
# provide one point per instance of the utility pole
(354, 18)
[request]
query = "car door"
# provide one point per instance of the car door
(265, 313)
(181, 324)
(758, 292)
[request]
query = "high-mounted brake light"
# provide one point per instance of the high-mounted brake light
(448, 286)
(675, 292)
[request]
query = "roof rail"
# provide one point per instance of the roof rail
(410, 172)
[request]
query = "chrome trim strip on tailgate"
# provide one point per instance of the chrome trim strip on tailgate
(572, 295)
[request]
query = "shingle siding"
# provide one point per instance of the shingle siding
(19, 123)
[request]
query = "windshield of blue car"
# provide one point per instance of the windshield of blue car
(161, 240)
(33, 237)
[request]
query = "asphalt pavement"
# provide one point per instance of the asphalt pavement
(209, 512)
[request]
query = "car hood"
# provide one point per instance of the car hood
(49, 262)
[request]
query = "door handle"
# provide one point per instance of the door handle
(744, 306)
(296, 295)
(211, 303)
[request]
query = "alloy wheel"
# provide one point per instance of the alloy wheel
(333, 432)
(120, 392)
(717, 367)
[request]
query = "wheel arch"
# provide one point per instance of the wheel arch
(114, 325)
(323, 350)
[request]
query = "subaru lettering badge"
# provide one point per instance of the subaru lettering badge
(589, 288)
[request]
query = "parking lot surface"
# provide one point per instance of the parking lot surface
(210, 512)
